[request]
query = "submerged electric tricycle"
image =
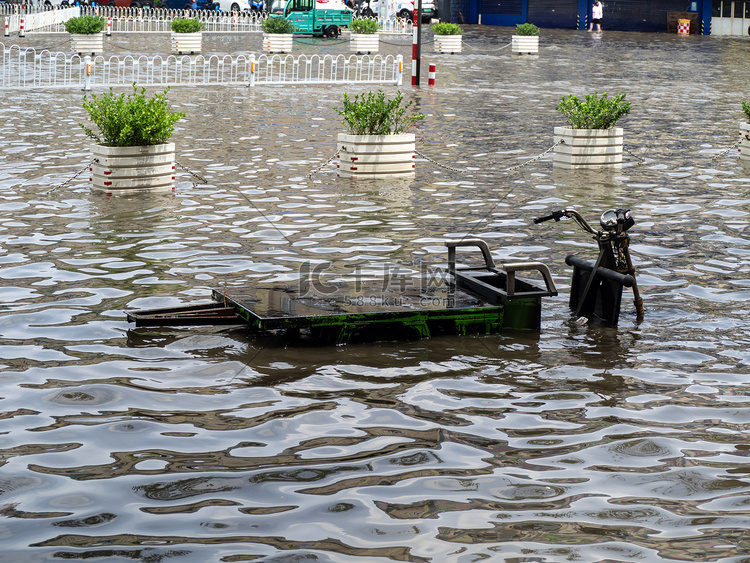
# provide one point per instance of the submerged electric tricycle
(596, 288)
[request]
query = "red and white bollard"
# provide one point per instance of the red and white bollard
(431, 75)
(22, 29)
(414, 56)
(7, 26)
(109, 26)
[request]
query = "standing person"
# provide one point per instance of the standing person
(597, 12)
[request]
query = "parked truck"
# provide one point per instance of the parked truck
(314, 17)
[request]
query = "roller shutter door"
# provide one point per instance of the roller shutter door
(553, 13)
(639, 15)
(502, 7)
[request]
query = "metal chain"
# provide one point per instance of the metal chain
(519, 166)
(485, 50)
(326, 163)
(193, 174)
(638, 158)
(722, 153)
(69, 180)
(438, 164)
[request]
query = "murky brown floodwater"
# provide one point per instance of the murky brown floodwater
(210, 444)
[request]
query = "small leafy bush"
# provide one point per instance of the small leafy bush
(445, 28)
(367, 26)
(85, 25)
(594, 112)
(277, 25)
(132, 120)
(746, 109)
(373, 114)
(186, 25)
(526, 29)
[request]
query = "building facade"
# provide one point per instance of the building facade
(718, 17)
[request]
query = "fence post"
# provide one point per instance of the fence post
(252, 71)
(87, 79)
(21, 31)
(7, 26)
(431, 75)
(400, 75)
(109, 26)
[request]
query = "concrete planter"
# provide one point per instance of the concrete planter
(124, 170)
(376, 156)
(448, 43)
(278, 42)
(87, 44)
(187, 43)
(588, 148)
(364, 43)
(745, 143)
(524, 44)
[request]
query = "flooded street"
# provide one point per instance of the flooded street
(581, 443)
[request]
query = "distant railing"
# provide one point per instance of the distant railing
(22, 23)
(25, 68)
(162, 24)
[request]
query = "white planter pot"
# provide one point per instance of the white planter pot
(364, 43)
(187, 42)
(448, 43)
(376, 156)
(278, 42)
(524, 44)
(87, 44)
(745, 143)
(588, 148)
(123, 170)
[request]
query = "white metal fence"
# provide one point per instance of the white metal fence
(27, 68)
(21, 23)
(163, 24)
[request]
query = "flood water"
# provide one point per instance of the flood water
(580, 443)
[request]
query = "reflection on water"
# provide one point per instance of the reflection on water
(215, 444)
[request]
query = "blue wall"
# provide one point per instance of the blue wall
(623, 15)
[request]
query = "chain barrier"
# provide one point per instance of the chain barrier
(404, 43)
(722, 153)
(193, 174)
(438, 164)
(635, 156)
(69, 180)
(485, 50)
(519, 166)
(326, 163)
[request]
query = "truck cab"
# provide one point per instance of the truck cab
(314, 17)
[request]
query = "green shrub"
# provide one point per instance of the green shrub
(746, 109)
(366, 25)
(132, 120)
(445, 28)
(526, 29)
(277, 25)
(373, 114)
(595, 112)
(186, 25)
(85, 25)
